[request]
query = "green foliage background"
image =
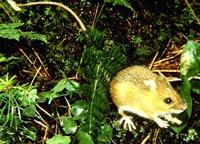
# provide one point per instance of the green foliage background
(72, 105)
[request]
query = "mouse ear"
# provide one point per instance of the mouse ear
(162, 77)
(150, 84)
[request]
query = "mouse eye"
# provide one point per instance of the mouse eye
(168, 100)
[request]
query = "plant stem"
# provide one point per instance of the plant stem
(17, 7)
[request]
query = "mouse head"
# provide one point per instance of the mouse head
(163, 97)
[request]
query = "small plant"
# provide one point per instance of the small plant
(10, 31)
(16, 102)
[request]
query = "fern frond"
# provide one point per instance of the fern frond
(34, 36)
(10, 31)
(100, 61)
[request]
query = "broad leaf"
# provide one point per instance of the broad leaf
(69, 125)
(190, 59)
(59, 139)
(83, 138)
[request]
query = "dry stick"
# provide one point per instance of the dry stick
(95, 16)
(37, 72)
(182, 35)
(152, 62)
(41, 62)
(29, 60)
(192, 11)
(6, 11)
(46, 129)
(169, 71)
(46, 126)
(145, 139)
(100, 11)
(16, 7)
(113, 141)
(156, 132)
(69, 106)
(166, 48)
(27, 57)
(44, 110)
(172, 57)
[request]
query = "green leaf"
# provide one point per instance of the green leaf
(27, 97)
(72, 86)
(29, 133)
(59, 139)
(69, 85)
(32, 95)
(83, 138)
(185, 93)
(106, 134)
(10, 26)
(34, 36)
(80, 110)
(8, 31)
(190, 59)
(60, 86)
(69, 125)
(5, 59)
(43, 96)
(30, 111)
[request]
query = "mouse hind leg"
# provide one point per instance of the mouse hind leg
(127, 120)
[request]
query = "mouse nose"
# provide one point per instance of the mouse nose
(179, 108)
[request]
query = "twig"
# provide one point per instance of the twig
(21, 50)
(44, 111)
(95, 16)
(46, 129)
(145, 139)
(156, 132)
(41, 63)
(168, 71)
(6, 11)
(36, 75)
(100, 10)
(166, 59)
(152, 62)
(192, 11)
(69, 106)
(166, 48)
(16, 7)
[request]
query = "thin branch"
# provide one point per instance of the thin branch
(46, 129)
(16, 7)
(166, 59)
(152, 62)
(36, 74)
(145, 139)
(95, 16)
(168, 71)
(44, 111)
(41, 63)
(197, 19)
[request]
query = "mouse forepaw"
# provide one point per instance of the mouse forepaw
(173, 119)
(161, 123)
(127, 122)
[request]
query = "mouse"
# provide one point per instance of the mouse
(138, 90)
